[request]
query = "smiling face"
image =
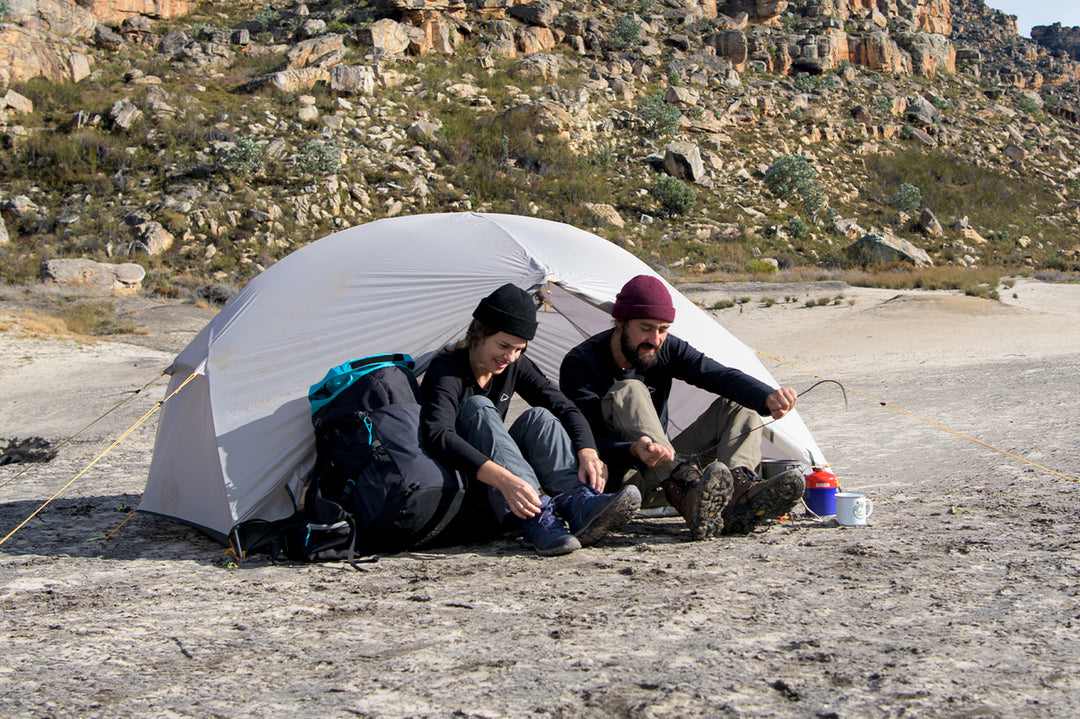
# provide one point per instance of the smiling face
(640, 342)
(493, 354)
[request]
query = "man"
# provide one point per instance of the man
(621, 380)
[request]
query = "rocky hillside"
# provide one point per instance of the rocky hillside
(741, 136)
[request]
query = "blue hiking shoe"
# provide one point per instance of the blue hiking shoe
(547, 533)
(591, 515)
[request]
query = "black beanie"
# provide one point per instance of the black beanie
(509, 309)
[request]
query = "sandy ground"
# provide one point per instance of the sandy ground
(959, 598)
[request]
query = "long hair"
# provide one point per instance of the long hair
(474, 336)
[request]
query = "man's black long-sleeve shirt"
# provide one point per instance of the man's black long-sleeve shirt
(588, 371)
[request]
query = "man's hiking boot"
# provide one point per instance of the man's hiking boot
(591, 515)
(755, 499)
(547, 533)
(700, 498)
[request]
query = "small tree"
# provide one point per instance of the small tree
(318, 158)
(792, 177)
(674, 195)
(908, 198)
(245, 157)
(626, 34)
(659, 117)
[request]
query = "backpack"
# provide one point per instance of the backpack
(373, 487)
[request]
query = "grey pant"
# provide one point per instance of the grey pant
(535, 448)
(723, 432)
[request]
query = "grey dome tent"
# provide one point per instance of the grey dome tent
(236, 442)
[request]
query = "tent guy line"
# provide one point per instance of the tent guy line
(52, 452)
(932, 423)
(115, 443)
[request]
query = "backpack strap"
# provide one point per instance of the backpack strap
(341, 377)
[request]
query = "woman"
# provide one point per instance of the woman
(544, 470)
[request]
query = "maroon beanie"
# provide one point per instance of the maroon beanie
(644, 298)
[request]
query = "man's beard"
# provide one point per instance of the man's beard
(642, 363)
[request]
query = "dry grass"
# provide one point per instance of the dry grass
(39, 326)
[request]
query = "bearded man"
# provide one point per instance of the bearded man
(621, 381)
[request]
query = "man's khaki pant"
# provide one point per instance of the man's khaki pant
(725, 432)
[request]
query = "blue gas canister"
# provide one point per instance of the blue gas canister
(820, 495)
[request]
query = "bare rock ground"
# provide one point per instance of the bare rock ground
(959, 599)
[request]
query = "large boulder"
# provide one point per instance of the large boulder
(880, 248)
(121, 279)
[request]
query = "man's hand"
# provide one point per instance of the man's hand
(781, 402)
(591, 470)
(523, 500)
(651, 454)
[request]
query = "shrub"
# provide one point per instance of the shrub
(245, 157)
(792, 177)
(319, 158)
(5, 8)
(674, 195)
(908, 198)
(761, 267)
(799, 229)
(659, 117)
(626, 34)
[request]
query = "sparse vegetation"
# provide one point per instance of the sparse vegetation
(626, 34)
(659, 117)
(675, 196)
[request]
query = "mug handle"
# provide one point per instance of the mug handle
(869, 506)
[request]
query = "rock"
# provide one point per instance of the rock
(423, 130)
(287, 81)
(922, 110)
(121, 279)
(124, 114)
(540, 12)
(684, 96)
(353, 79)
(682, 160)
(216, 293)
(604, 214)
(879, 248)
(730, 45)
(173, 43)
(848, 228)
(106, 39)
(539, 67)
(16, 102)
(388, 36)
(4, 239)
(1014, 152)
(322, 51)
(928, 223)
(155, 237)
(17, 208)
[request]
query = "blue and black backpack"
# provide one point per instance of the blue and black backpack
(373, 488)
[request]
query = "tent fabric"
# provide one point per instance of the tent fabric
(236, 443)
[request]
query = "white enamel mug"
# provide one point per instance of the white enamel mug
(853, 508)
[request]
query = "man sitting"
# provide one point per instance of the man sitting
(621, 380)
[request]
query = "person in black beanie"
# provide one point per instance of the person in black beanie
(544, 470)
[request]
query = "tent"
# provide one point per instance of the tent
(236, 442)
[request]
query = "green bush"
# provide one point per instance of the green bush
(245, 157)
(674, 195)
(626, 34)
(908, 198)
(659, 117)
(761, 267)
(792, 177)
(799, 229)
(5, 8)
(318, 158)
